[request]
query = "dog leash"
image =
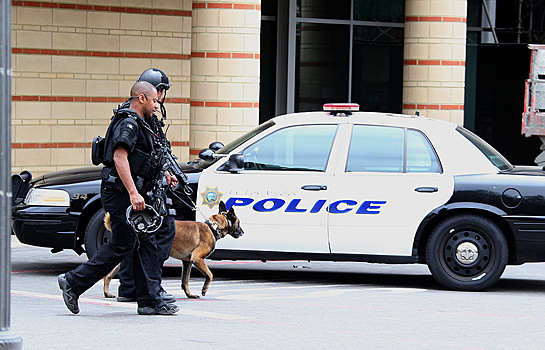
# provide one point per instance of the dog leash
(193, 206)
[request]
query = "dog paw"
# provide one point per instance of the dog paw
(192, 296)
(109, 295)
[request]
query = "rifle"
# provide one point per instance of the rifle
(172, 166)
(170, 163)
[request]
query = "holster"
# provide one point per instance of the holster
(110, 179)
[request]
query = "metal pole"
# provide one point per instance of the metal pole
(8, 338)
(292, 29)
(492, 25)
(519, 21)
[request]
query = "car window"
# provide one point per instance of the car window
(421, 157)
(376, 148)
(493, 156)
(390, 149)
(300, 148)
(203, 164)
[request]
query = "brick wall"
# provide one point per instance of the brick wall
(73, 62)
(434, 54)
(224, 71)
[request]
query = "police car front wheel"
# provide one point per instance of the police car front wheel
(96, 234)
(467, 252)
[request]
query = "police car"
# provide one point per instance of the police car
(344, 185)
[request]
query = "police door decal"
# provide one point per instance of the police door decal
(271, 196)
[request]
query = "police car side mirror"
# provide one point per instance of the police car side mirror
(207, 154)
(215, 146)
(235, 163)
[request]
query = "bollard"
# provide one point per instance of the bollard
(8, 338)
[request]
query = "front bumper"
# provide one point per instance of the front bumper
(51, 227)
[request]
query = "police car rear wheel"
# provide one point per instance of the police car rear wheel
(96, 234)
(467, 252)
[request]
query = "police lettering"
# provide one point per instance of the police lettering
(342, 206)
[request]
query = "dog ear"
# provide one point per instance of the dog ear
(231, 212)
(222, 207)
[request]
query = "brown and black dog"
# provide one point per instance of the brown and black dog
(193, 242)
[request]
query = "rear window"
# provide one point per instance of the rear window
(493, 156)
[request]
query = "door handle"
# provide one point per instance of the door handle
(426, 189)
(314, 187)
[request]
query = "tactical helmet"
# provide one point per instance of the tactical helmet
(144, 223)
(155, 77)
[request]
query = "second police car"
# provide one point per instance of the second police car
(344, 185)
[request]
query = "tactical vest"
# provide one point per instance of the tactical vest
(144, 164)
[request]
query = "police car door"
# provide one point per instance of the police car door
(281, 195)
(389, 181)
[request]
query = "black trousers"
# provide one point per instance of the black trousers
(122, 245)
(163, 238)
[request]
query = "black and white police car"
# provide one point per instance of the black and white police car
(339, 185)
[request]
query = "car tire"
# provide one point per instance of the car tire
(467, 252)
(96, 234)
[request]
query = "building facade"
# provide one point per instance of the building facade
(73, 62)
(234, 64)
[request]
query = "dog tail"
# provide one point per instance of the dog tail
(107, 222)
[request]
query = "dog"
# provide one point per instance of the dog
(193, 242)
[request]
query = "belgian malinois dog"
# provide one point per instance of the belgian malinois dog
(193, 242)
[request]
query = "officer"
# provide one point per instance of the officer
(129, 171)
(165, 235)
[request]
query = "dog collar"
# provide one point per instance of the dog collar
(226, 218)
(214, 228)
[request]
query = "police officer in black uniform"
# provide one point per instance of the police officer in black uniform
(165, 235)
(132, 164)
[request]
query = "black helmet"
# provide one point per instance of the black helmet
(155, 77)
(144, 223)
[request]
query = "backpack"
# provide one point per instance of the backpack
(98, 146)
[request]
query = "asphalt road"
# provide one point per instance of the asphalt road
(283, 305)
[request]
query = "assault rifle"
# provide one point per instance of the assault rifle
(172, 166)
(170, 163)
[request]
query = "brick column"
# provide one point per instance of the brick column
(224, 70)
(434, 58)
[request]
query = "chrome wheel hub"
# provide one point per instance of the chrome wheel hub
(467, 253)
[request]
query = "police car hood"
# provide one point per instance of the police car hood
(83, 174)
(69, 176)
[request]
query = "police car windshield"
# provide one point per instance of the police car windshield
(493, 156)
(235, 143)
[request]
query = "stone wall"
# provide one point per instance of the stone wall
(74, 62)
(434, 58)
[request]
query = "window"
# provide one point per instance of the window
(297, 148)
(391, 150)
(376, 148)
(421, 157)
(493, 156)
(347, 51)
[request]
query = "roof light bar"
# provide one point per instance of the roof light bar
(341, 107)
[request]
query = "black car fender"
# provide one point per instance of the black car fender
(442, 212)
(89, 209)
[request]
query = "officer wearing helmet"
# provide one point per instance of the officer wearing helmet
(132, 163)
(167, 230)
